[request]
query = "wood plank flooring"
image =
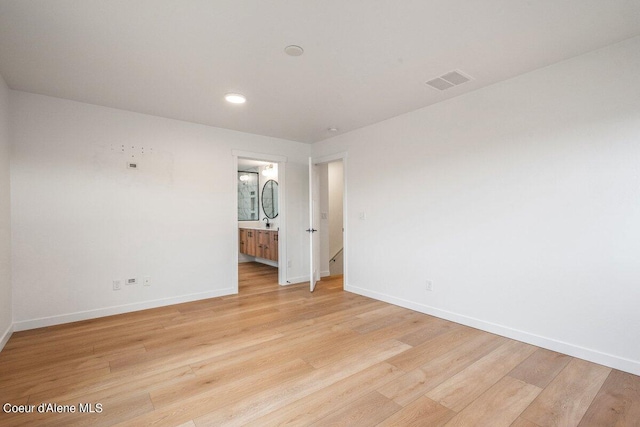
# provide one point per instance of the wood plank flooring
(281, 356)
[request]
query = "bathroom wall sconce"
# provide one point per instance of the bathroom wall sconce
(244, 178)
(270, 171)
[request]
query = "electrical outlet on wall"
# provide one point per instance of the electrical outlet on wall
(146, 281)
(429, 285)
(117, 285)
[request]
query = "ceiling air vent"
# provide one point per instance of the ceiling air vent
(450, 79)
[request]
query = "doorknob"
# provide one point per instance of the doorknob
(311, 230)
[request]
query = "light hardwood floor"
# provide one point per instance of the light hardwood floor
(281, 356)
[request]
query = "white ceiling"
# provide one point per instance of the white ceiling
(364, 60)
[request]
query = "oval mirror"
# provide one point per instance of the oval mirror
(270, 199)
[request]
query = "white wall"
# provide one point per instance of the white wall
(6, 312)
(520, 201)
(336, 190)
(324, 227)
(80, 218)
(331, 222)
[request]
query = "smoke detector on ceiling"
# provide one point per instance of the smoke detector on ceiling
(293, 50)
(449, 80)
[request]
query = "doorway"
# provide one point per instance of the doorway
(260, 219)
(327, 221)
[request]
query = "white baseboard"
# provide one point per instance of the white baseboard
(24, 325)
(325, 273)
(612, 361)
(266, 261)
(5, 337)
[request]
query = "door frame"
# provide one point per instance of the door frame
(282, 223)
(345, 221)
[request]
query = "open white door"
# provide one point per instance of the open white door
(314, 213)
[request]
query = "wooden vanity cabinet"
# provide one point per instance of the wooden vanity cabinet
(267, 244)
(259, 243)
(242, 240)
(273, 245)
(263, 249)
(248, 241)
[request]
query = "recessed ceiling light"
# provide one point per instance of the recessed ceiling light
(235, 98)
(293, 50)
(333, 129)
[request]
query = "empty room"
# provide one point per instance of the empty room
(358, 213)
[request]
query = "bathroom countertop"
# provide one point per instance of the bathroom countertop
(260, 228)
